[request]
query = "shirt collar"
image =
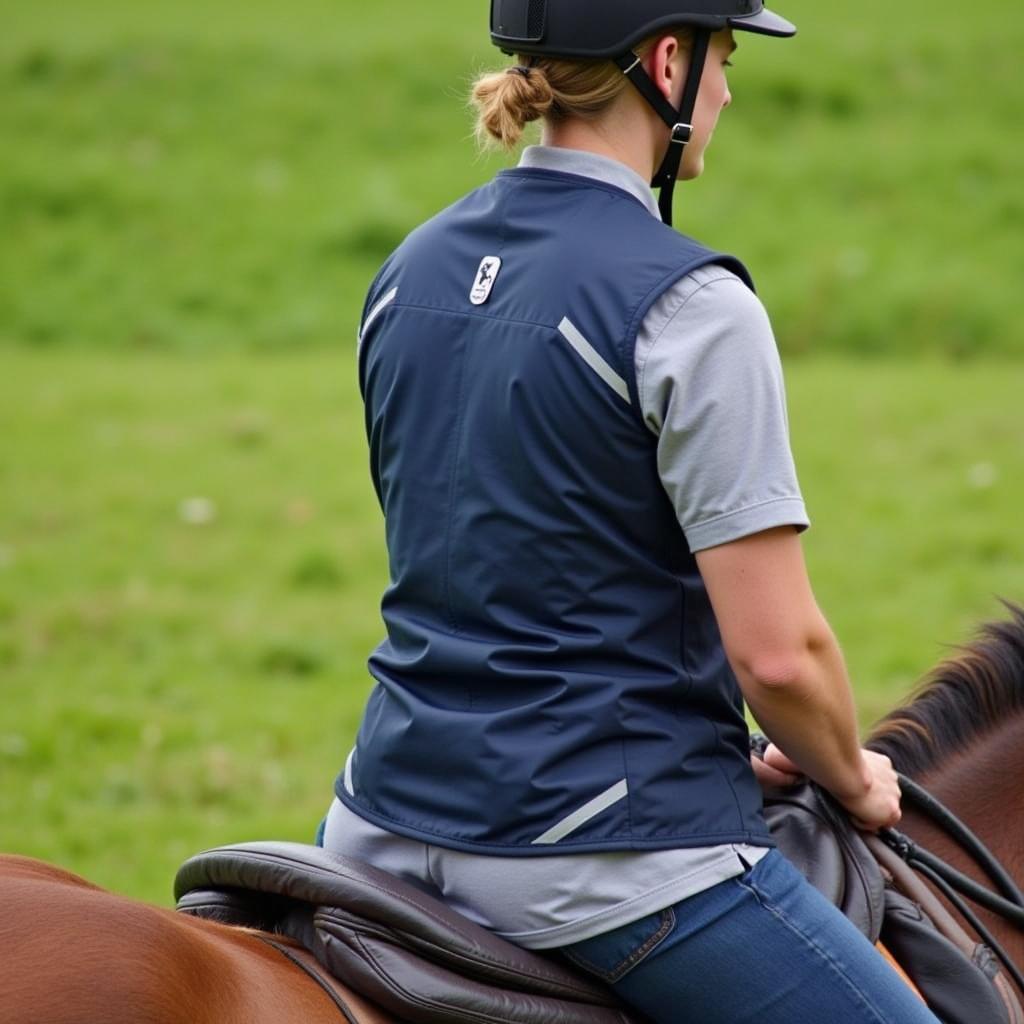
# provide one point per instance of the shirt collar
(591, 165)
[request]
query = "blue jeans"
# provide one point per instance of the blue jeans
(763, 948)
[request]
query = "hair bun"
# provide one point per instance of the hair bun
(509, 100)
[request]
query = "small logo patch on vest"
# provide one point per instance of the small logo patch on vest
(484, 281)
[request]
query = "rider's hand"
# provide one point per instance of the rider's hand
(775, 770)
(879, 806)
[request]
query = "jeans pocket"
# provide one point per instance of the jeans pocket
(614, 954)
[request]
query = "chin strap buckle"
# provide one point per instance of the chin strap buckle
(681, 134)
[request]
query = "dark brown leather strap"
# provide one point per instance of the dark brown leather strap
(305, 963)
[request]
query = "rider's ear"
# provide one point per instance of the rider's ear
(664, 65)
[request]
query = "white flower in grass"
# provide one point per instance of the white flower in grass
(197, 511)
(982, 475)
(13, 746)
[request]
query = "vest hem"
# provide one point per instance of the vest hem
(606, 844)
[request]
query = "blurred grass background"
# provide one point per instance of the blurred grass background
(192, 201)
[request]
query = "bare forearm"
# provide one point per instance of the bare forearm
(806, 707)
(792, 671)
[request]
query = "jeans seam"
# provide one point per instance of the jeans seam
(617, 973)
(877, 1017)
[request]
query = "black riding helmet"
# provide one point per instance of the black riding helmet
(595, 29)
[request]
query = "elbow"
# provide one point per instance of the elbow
(788, 666)
(774, 672)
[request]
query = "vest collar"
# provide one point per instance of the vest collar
(591, 165)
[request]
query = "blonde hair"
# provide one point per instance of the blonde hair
(550, 88)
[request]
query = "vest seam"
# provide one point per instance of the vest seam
(457, 445)
(447, 310)
(728, 781)
(452, 486)
(628, 366)
(683, 648)
(629, 369)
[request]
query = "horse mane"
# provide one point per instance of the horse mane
(962, 699)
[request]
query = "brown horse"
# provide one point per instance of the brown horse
(71, 952)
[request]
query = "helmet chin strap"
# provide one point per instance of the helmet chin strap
(679, 121)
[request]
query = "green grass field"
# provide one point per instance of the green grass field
(229, 176)
(192, 201)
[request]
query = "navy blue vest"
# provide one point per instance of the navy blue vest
(553, 679)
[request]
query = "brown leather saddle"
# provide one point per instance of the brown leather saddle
(425, 964)
(386, 940)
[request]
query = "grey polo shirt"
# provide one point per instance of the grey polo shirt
(711, 391)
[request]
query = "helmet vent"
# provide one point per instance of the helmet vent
(535, 19)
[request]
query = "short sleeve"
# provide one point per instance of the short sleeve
(712, 391)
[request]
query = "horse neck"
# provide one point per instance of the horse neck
(984, 787)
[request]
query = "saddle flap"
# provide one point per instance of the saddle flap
(424, 992)
(337, 907)
(959, 989)
(517, 972)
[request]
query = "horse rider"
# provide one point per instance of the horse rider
(578, 437)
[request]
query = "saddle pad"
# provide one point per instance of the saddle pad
(388, 940)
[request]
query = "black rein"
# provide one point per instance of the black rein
(920, 798)
(955, 884)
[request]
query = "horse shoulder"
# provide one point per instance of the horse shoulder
(72, 953)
